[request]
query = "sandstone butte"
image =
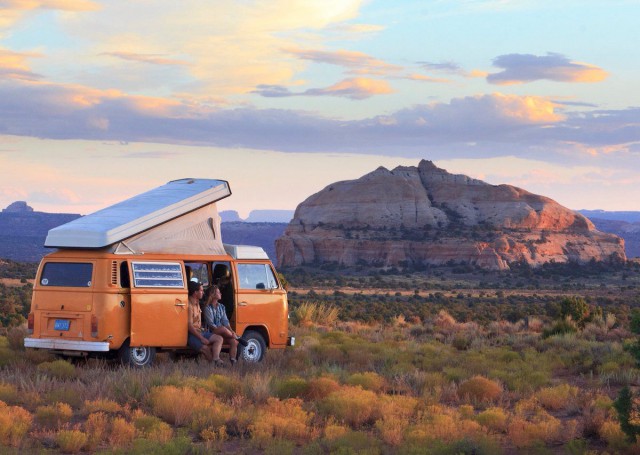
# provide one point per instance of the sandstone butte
(417, 216)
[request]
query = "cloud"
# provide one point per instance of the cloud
(423, 78)
(358, 28)
(356, 61)
(445, 67)
(230, 46)
(13, 65)
(64, 5)
(521, 68)
(357, 88)
(11, 11)
(155, 59)
(482, 125)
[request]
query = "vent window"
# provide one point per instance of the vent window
(157, 275)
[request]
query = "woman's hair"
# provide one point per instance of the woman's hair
(210, 292)
(193, 287)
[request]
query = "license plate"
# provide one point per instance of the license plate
(61, 324)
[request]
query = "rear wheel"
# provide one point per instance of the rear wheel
(137, 356)
(256, 347)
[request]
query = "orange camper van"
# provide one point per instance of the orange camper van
(117, 284)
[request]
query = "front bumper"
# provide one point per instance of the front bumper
(291, 341)
(66, 345)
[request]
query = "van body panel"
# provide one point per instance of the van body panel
(255, 306)
(159, 318)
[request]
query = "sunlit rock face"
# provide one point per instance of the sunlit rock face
(426, 216)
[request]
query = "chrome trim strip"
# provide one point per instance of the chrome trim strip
(70, 345)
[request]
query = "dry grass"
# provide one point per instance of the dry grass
(355, 388)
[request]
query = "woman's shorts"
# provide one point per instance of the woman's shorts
(194, 342)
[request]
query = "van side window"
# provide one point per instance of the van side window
(197, 271)
(67, 274)
(256, 276)
(125, 282)
(157, 274)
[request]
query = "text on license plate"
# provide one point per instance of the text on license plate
(61, 324)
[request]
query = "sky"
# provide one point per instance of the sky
(103, 99)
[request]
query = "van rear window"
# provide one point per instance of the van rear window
(157, 275)
(67, 274)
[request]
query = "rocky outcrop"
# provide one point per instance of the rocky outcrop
(426, 216)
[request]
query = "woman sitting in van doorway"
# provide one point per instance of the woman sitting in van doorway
(215, 319)
(205, 342)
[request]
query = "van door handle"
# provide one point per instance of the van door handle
(178, 303)
(243, 304)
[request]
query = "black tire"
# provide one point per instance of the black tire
(138, 357)
(256, 347)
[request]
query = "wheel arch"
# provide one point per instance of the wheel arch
(262, 330)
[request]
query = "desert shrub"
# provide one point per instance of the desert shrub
(257, 387)
(290, 387)
(224, 386)
(71, 441)
(613, 435)
(441, 425)
(479, 389)
(309, 313)
(351, 405)
(213, 436)
(320, 387)
(558, 397)
(367, 380)
(175, 405)
(60, 369)
(151, 427)
(7, 356)
(561, 327)
(391, 429)
(282, 419)
(53, 416)
(66, 393)
(493, 419)
(541, 428)
(8, 393)
(97, 429)
(102, 405)
(122, 433)
(334, 430)
(15, 423)
(15, 338)
(211, 415)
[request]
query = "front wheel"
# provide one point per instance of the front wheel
(138, 356)
(256, 347)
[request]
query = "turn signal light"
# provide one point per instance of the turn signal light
(30, 319)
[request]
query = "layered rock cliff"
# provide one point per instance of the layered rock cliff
(426, 216)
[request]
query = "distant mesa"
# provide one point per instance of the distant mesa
(18, 207)
(418, 216)
(258, 216)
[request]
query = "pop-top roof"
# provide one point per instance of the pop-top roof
(132, 216)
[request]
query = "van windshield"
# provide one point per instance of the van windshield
(67, 274)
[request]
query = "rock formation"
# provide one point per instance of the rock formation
(426, 216)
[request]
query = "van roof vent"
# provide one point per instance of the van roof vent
(114, 272)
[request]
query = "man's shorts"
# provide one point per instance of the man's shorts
(194, 342)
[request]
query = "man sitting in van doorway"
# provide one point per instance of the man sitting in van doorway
(207, 343)
(216, 320)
